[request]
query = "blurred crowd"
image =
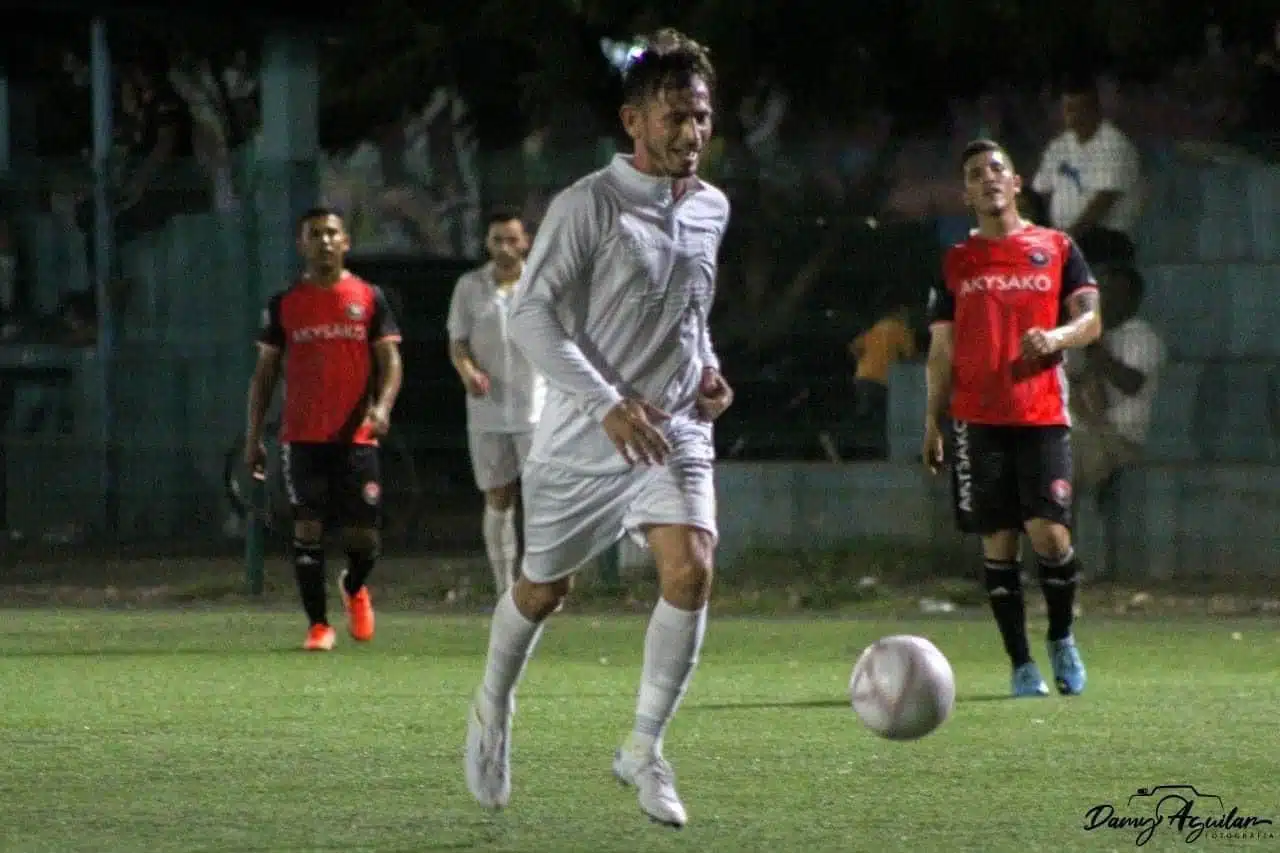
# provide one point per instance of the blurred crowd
(418, 185)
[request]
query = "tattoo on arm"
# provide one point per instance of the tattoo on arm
(1084, 302)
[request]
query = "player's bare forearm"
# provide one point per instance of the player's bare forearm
(261, 389)
(938, 374)
(391, 369)
(1085, 326)
(463, 361)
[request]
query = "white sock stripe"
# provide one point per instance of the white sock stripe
(1050, 563)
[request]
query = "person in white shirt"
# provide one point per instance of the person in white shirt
(1090, 178)
(613, 310)
(1114, 385)
(505, 394)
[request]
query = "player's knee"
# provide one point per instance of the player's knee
(686, 584)
(537, 601)
(1001, 546)
(1050, 540)
(502, 498)
(684, 558)
(308, 531)
(362, 540)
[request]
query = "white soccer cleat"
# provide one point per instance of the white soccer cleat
(655, 783)
(488, 759)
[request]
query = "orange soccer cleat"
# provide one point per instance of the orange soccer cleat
(320, 638)
(359, 611)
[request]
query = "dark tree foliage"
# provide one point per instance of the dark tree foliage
(830, 56)
(514, 60)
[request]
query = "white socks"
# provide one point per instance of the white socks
(671, 647)
(511, 641)
(501, 545)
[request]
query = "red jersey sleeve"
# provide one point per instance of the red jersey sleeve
(271, 334)
(1076, 275)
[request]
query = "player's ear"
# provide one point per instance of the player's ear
(1017, 184)
(632, 120)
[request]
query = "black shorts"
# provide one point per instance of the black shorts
(1003, 476)
(333, 483)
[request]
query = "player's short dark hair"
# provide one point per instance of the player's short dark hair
(501, 215)
(670, 60)
(1085, 85)
(317, 212)
(983, 146)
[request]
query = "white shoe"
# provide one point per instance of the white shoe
(488, 759)
(655, 782)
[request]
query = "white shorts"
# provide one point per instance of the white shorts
(497, 458)
(571, 518)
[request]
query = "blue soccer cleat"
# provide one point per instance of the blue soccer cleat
(1027, 681)
(1068, 669)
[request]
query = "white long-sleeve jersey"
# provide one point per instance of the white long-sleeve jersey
(614, 303)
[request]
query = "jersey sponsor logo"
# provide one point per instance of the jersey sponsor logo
(963, 468)
(329, 332)
(1038, 258)
(1035, 283)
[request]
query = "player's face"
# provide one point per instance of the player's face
(507, 242)
(323, 242)
(990, 184)
(671, 129)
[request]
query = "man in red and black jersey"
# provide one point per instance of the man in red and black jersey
(1016, 296)
(337, 341)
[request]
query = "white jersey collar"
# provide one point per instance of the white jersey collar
(646, 186)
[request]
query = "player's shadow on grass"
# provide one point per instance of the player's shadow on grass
(820, 703)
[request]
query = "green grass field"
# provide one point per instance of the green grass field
(207, 731)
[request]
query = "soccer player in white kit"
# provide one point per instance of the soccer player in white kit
(505, 394)
(612, 310)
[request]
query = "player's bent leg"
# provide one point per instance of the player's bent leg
(513, 634)
(309, 570)
(673, 642)
(1002, 575)
(1059, 579)
(500, 542)
(363, 545)
(570, 518)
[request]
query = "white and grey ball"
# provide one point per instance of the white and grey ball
(902, 687)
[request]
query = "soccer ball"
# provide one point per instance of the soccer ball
(902, 687)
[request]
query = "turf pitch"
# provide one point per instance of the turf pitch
(209, 731)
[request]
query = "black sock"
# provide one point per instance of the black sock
(1058, 581)
(308, 568)
(359, 566)
(1004, 588)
